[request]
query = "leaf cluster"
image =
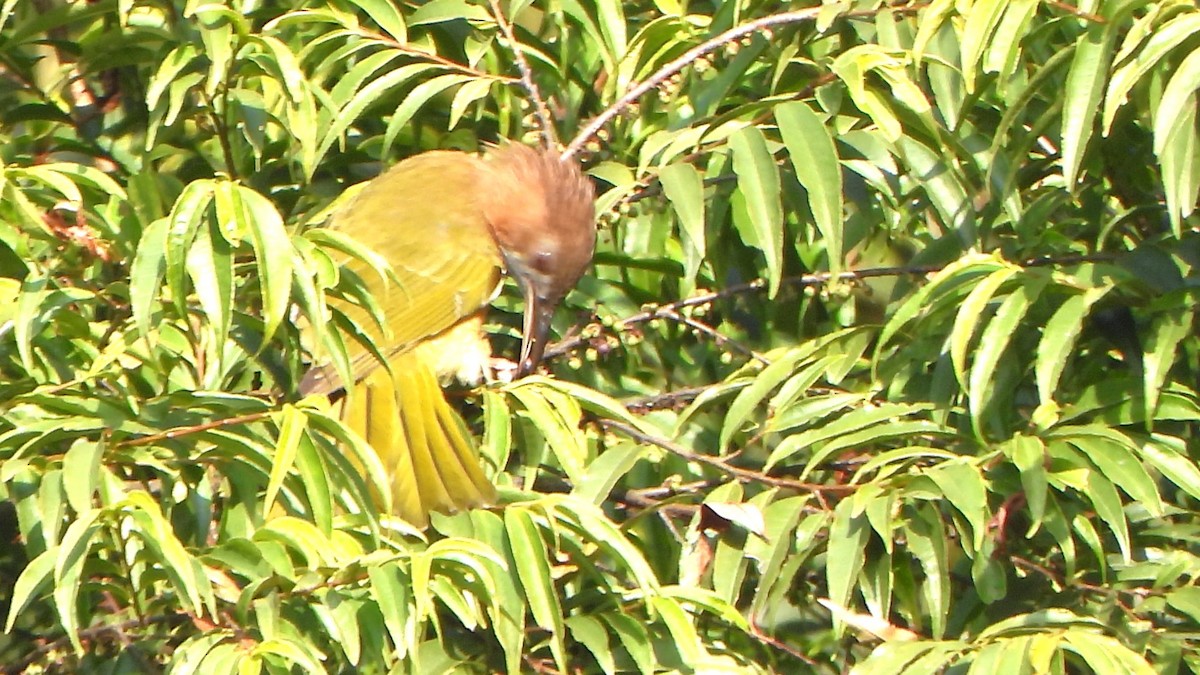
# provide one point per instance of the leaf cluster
(886, 363)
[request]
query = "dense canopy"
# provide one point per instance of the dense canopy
(886, 362)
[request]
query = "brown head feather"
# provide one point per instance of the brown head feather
(540, 211)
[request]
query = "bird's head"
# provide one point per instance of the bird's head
(541, 214)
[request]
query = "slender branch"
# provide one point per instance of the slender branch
(87, 634)
(427, 56)
(667, 399)
(704, 48)
(218, 122)
(720, 338)
(720, 464)
(198, 428)
(757, 634)
(652, 496)
(1071, 9)
(690, 56)
(670, 309)
(545, 120)
(1105, 591)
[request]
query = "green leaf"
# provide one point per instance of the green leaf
(992, 344)
(33, 580)
(1174, 464)
(292, 423)
(752, 396)
(210, 266)
(419, 96)
(962, 484)
(185, 219)
(782, 518)
(272, 254)
(1084, 89)
(533, 570)
(848, 537)
(171, 66)
(602, 474)
(926, 537)
(864, 417)
(146, 273)
(1029, 455)
(557, 417)
(1104, 498)
(1180, 160)
(590, 632)
(1179, 94)
(1106, 654)
(184, 571)
(438, 11)
(387, 15)
(69, 563)
(1186, 600)
(977, 34)
(1163, 40)
(365, 97)
(945, 186)
(1113, 453)
(853, 67)
(1059, 338)
(471, 92)
(683, 632)
(634, 639)
(36, 306)
(970, 313)
(81, 473)
(757, 199)
(298, 652)
(815, 160)
(684, 189)
(1161, 350)
(390, 590)
(891, 657)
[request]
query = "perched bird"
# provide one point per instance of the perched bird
(449, 223)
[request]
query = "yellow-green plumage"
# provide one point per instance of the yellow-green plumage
(423, 216)
(448, 224)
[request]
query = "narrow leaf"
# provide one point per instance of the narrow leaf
(815, 160)
(757, 198)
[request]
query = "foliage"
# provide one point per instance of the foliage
(886, 363)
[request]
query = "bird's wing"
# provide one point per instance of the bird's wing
(423, 217)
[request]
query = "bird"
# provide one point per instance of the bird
(449, 224)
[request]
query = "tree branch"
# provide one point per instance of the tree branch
(545, 121)
(721, 465)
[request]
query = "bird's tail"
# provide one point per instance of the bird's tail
(423, 444)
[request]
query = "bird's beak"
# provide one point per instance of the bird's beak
(538, 312)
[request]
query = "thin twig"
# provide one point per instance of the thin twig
(85, 635)
(1105, 591)
(690, 56)
(652, 496)
(708, 46)
(545, 121)
(720, 464)
(430, 57)
(1071, 9)
(757, 633)
(667, 399)
(195, 429)
(667, 310)
(717, 336)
